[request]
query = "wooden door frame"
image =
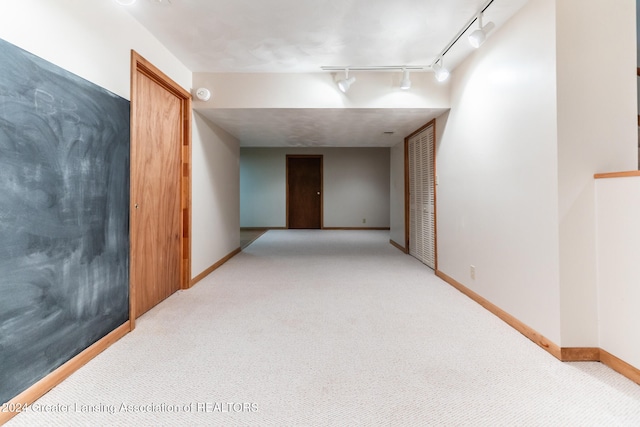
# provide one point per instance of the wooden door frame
(306, 156)
(142, 66)
(406, 191)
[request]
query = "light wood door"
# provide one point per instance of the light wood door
(157, 189)
(304, 192)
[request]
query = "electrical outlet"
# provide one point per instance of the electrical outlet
(364, 220)
(472, 272)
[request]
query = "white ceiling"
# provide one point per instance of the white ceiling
(300, 36)
(326, 127)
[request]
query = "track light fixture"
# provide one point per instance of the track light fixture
(346, 83)
(478, 37)
(405, 84)
(442, 73)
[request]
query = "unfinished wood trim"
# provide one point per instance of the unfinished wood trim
(566, 354)
(356, 228)
(435, 197)
(626, 174)
(321, 192)
(620, 366)
(209, 270)
(186, 193)
(398, 246)
(133, 84)
(40, 388)
(525, 330)
(406, 194)
(151, 71)
(431, 122)
(580, 354)
(286, 189)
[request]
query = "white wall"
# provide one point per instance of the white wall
(618, 246)
(397, 210)
(356, 186)
(318, 90)
(597, 132)
(497, 167)
(91, 39)
(262, 188)
(216, 188)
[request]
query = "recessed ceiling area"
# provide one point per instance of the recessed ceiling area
(326, 127)
(301, 36)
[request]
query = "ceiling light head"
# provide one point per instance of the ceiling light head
(346, 83)
(441, 71)
(478, 37)
(405, 84)
(126, 2)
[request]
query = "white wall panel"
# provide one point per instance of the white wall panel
(497, 166)
(356, 186)
(397, 208)
(92, 39)
(216, 194)
(263, 189)
(618, 249)
(597, 132)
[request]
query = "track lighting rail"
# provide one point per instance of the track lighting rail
(376, 68)
(464, 29)
(437, 66)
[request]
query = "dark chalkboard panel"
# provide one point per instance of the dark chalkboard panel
(64, 203)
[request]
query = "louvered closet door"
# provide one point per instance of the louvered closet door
(421, 149)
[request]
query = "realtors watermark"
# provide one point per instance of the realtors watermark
(191, 407)
(225, 407)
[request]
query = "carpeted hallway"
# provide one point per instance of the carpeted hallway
(330, 328)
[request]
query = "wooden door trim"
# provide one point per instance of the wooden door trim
(140, 65)
(307, 156)
(406, 190)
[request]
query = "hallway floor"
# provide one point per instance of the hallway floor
(330, 328)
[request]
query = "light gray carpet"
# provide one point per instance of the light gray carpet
(332, 328)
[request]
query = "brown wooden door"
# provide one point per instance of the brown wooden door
(157, 187)
(304, 191)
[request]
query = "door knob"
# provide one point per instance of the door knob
(318, 193)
